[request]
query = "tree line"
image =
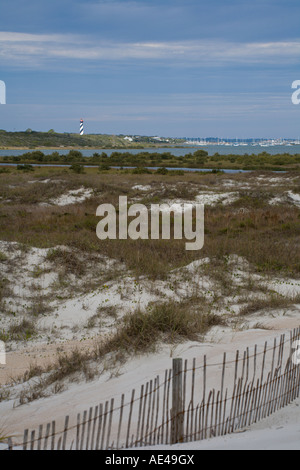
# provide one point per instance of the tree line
(197, 159)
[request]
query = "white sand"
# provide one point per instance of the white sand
(141, 187)
(288, 196)
(215, 198)
(73, 196)
(294, 197)
(205, 198)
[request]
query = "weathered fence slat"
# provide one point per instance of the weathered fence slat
(104, 426)
(161, 430)
(155, 436)
(120, 420)
(32, 440)
(25, 439)
(167, 440)
(94, 427)
(177, 409)
(53, 436)
(150, 401)
(144, 403)
(47, 436)
(129, 418)
(99, 426)
(89, 428)
(39, 442)
(139, 414)
(9, 443)
(109, 422)
(83, 429)
(224, 414)
(65, 433)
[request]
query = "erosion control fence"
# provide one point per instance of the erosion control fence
(191, 401)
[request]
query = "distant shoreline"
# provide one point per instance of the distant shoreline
(75, 147)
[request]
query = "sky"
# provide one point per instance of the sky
(173, 68)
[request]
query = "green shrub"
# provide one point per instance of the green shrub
(77, 168)
(25, 167)
(162, 171)
(140, 171)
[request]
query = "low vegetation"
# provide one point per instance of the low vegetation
(51, 139)
(264, 234)
(19, 331)
(140, 331)
(267, 303)
(250, 227)
(145, 162)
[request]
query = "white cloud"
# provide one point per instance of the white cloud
(2, 92)
(8, 37)
(34, 49)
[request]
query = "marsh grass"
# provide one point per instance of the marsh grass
(67, 260)
(103, 312)
(33, 371)
(44, 381)
(39, 305)
(3, 433)
(5, 289)
(267, 236)
(22, 330)
(68, 365)
(141, 331)
(3, 257)
(254, 199)
(271, 302)
(4, 395)
(33, 392)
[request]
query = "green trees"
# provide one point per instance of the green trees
(77, 168)
(162, 171)
(74, 155)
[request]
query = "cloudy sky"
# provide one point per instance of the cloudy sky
(151, 67)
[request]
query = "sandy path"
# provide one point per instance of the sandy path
(18, 362)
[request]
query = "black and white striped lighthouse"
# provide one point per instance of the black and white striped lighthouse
(81, 127)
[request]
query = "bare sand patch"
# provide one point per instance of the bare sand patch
(74, 196)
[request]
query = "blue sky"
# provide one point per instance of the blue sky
(170, 67)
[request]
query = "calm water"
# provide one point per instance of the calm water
(131, 167)
(178, 152)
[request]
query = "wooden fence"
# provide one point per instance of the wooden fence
(191, 402)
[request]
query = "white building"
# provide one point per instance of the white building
(2, 92)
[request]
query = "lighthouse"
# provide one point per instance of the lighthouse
(81, 127)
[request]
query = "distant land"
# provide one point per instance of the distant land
(30, 139)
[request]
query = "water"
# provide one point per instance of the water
(178, 152)
(225, 170)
